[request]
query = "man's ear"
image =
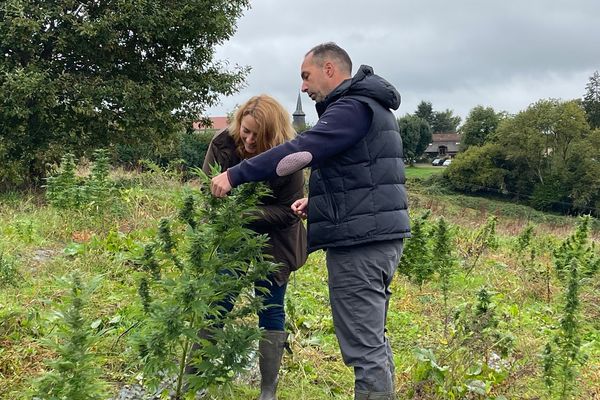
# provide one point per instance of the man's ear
(329, 68)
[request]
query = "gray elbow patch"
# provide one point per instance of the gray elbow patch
(293, 162)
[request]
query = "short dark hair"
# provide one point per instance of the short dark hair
(330, 50)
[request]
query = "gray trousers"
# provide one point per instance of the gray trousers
(359, 292)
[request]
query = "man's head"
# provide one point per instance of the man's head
(324, 67)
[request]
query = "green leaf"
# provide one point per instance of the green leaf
(96, 323)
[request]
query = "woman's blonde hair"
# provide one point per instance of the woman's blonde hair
(273, 122)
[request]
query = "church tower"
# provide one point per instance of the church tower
(299, 120)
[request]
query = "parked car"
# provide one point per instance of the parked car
(447, 162)
(437, 161)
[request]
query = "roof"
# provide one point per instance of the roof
(218, 123)
(450, 140)
(445, 137)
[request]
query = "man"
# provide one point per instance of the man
(357, 204)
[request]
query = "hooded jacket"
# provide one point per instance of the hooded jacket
(356, 187)
(287, 235)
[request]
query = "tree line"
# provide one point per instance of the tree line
(547, 155)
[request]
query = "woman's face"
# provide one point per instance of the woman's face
(248, 132)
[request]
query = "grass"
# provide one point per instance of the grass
(422, 171)
(44, 243)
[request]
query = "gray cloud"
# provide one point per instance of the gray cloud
(457, 55)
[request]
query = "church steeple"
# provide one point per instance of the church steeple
(299, 120)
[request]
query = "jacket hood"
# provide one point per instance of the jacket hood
(364, 83)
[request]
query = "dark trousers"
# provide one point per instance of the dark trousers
(359, 292)
(272, 317)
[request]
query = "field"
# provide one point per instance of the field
(422, 171)
(441, 350)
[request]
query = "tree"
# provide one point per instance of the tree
(591, 100)
(439, 121)
(445, 121)
(83, 75)
(546, 154)
(540, 141)
(425, 111)
(416, 136)
(479, 125)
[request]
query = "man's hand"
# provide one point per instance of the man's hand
(299, 207)
(220, 185)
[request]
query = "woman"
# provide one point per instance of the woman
(258, 125)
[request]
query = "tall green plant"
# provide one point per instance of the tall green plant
(99, 187)
(534, 275)
(74, 374)
(416, 262)
(473, 360)
(62, 189)
(66, 191)
(484, 239)
(575, 260)
(196, 264)
(443, 260)
(9, 272)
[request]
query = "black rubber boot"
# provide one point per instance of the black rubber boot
(270, 349)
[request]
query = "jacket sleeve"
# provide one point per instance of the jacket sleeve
(342, 125)
(278, 212)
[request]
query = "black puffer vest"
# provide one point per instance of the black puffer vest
(358, 196)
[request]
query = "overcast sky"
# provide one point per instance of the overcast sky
(455, 54)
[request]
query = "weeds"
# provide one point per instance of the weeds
(9, 272)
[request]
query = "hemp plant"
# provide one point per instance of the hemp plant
(62, 189)
(200, 260)
(576, 260)
(98, 187)
(67, 191)
(535, 275)
(474, 357)
(416, 261)
(443, 260)
(484, 239)
(74, 374)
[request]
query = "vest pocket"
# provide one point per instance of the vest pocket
(332, 208)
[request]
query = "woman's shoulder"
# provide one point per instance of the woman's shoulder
(223, 139)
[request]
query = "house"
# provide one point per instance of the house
(218, 124)
(444, 144)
